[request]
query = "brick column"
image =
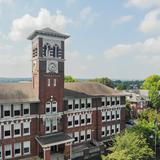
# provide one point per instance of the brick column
(47, 153)
(67, 151)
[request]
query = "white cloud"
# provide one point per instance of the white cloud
(6, 1)
(143, 3)
(23, 26)
(148, 50)
(85, 12)
(122, 20)
(71, 2)
(151, 22)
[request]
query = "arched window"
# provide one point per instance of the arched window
(51, 107)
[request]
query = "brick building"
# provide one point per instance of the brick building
(46, 118)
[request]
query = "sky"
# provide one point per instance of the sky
(119, 39)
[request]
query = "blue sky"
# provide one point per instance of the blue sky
(118, 39)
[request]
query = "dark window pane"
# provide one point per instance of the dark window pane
(88, 105)
(54, 109)
(26, 130)
(6, 113)
(7, 133)
(47, 110)
(17, 112)
(17, 131)
(54, 128)
(88, 136)
(47, 128)
(17, 151)
(70, 106)
(26, 150)
(102, 103)
(26, 111)
(76, 106)
(82, 121)
(8, 153)
(70, 123)
(82, 137)
(76, 122)
(82, 105)
(88, 120)
(108, 103)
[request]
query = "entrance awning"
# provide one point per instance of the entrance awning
(54, 139)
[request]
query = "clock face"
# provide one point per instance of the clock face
(52, 67)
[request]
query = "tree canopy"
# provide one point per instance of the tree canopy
(153, 80)
(69, 79)
(130, 146)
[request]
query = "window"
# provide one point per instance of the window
(70, 121)
(26, 128)
(17, 129)
(26, 147)
(76, 137)
(88, 134)
(76, 120)
(103, 101)
(54, 124)
(117, 102)
(103, 131)
(113, 115)
(48, 126)
(108, 101)
(108, 130)
(108, 115)
(118, 128)
(89, 120)
(54, 82)
(113, 129)
(89, 102)
(8, 151)
(70, 104)
(17, 149)
(48, 107)
(7, 111)
(113, 101)
(54, 106)
(7, 131)
(83, 103)
(118, 114)
(82, 136)
(17, 110)
(103, 116)
(26, 109)
(83, 119)
(51, 107)
(49, 82)
(77, 102)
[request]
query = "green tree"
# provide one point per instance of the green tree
(104, 80)
(130, 146)
(70, 79)
(151, 81)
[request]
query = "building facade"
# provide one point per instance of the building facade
(48, 119)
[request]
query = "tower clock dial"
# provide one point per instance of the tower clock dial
(52, 67)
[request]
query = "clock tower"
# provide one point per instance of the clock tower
(48, 77)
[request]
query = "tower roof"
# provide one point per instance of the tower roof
(47, 32)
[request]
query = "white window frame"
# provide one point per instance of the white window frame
(15, 108)
(89, 100)
(25, 145)
(6, 148)
(113, 113)
(118, 127)
(54, 123)
(17, 146)
(6, 128)
(26, 106)
(17, 126)
(70, 119)
(108, 129)
(48, 105)
(103, 115)
(108, 114)
(89, 132)
(26, 125)
(113, 128)
(82, 134)
(70, 102)
(103, 131)
(76, 117)
(53, 105)
(48, 124)
(83, 101)
(77, 102)
(83, 116)
(118, 112)
(54, 82)
(104, 100)
(87, 117)
(108, 100)
(76, 134)
(6, 107)
(49, 82)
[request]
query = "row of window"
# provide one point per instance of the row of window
(110, 130)
(51, 82)
(79, 103)
(16, 109)
(84, 135)
(18, 130)
(16, 149)
(51, 125)
(107, 101)
(79, 120)
(51, 107)
(110, 115)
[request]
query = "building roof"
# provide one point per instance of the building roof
(88, 89)
(47, 32)
(17, 92)
(54, 139)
